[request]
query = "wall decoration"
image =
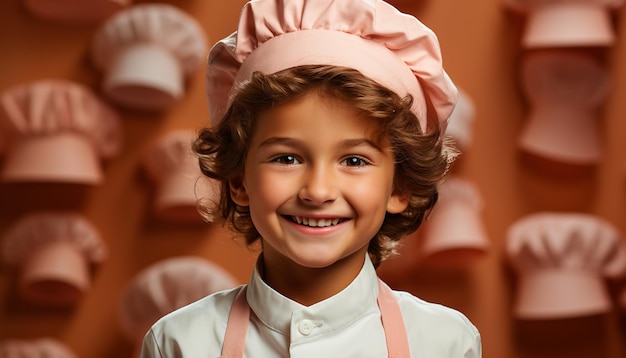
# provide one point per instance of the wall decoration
(56, 131)
(147, 52)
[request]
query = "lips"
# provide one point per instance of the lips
(313, 222)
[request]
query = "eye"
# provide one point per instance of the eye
(354, 162)
(286, 159)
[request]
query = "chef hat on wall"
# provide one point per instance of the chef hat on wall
(174, 168)
(54, 253)
(56, 131)
(165, 286)
(75, 11)
(565, 90)
(566, 23)
(455, 227)
(146, 52)
(461, 121)
(35, 348)
(561, 260)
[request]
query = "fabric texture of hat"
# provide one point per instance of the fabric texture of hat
(566, 23)
(56, 131)
(461, 121)
(454, 232)
(54, 252)
(75, 11)
(174, 168)
(165, 286)
(146, 53)
(35, 348)
(561, 260)
(564, 89)
(390, 47)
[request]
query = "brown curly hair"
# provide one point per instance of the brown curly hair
(422, 160)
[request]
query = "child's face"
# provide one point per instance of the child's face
(317, 183)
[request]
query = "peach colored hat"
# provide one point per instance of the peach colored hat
(75, 11)
(561, 260)
(566, 23)
(173, 166)
(54, 252)
(56, 131)
(34, 348)
(390, 47)
(564, 90)
(455, 226)
(166, 286)
(146, 53)
(461, 121)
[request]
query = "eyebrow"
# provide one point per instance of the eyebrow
(348, 143)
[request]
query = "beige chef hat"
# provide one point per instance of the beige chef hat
(454, 232)
(561, 260)
(56, 131)
(35, 348)
(565, 90)
(146, 52)
(173, 166)
(54, 252)
(165, 286)
(75, 11)
(461, 121)
(566, 23)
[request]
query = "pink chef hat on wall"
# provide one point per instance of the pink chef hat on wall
(461, 121)
(54, 253)
(35, 348)
(564, 90)
(562, 260)
(566, 23)
(56, 131)
(454, 232)
(165, 286)
(179, 183)
(75, 11)
(146, 53)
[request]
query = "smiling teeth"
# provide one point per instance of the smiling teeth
(315, 222)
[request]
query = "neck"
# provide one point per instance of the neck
(306, 285)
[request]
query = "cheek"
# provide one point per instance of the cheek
(266, 191)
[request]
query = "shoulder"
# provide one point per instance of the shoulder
(439, 326)
(201, 321)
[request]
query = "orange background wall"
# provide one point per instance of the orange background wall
(480, 43)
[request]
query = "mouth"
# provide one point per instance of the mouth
(312, 222)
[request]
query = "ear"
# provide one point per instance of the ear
(397, 203)
(238, 193)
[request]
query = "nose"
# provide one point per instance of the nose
(319, 186)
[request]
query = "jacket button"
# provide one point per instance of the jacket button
(305, 327)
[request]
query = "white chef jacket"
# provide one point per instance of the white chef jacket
(345, 325)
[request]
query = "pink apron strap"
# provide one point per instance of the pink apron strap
(237, 327)
(393, 324)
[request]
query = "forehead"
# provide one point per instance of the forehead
(316, 113)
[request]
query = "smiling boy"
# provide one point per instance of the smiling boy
(328, 159)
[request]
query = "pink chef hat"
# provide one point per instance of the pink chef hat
(54, 252)
(165, 286)
(461, 121)
(566, 23)
(174, 168)
(75, 11)
(146, 52)
(564, 90)
(561, 260)
(393, 48)
(56, 131)
(454, 232)
(34, 348)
